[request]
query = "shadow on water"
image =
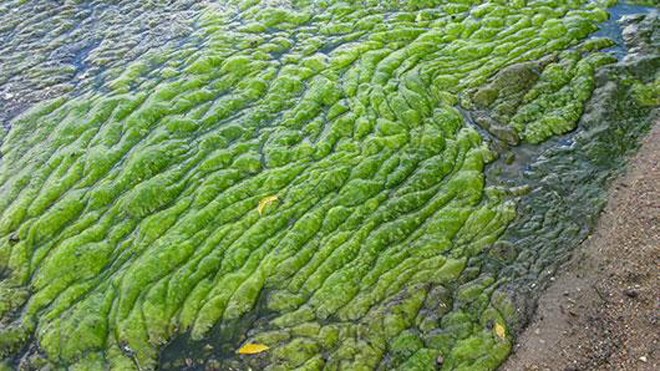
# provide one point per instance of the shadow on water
(218, 349)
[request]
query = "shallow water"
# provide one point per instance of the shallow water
(526, 154)
(612, 27)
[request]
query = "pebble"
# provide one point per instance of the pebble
(643, 359)
(631, 293)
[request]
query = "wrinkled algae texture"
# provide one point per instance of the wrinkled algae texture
(306, 175)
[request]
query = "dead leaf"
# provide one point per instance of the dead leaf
(265, 202)
(253, 348)
(500, 331)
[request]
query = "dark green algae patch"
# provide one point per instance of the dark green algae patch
(130, 235)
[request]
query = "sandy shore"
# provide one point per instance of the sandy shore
(601, 311)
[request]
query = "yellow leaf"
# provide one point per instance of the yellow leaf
(500, 331)
(252, 348)
(265, 202)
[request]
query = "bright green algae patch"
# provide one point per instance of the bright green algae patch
(534, 101)
(130, 212)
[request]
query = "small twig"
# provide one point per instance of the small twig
(600, 294)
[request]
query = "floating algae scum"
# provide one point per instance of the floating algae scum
(373, 185)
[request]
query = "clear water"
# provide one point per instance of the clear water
(612, 27)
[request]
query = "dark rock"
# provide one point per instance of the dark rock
(631, 293)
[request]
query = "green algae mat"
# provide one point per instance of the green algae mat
(307, 185)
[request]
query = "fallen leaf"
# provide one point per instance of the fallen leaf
(500, 331)
(265, 202)
(253, 348)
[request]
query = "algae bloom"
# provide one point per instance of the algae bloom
(303, 178)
